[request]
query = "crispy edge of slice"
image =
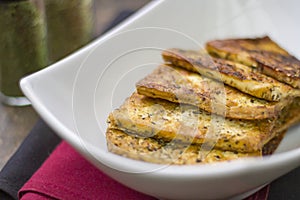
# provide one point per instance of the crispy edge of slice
(234, 49)
(155, 151)
(234, 74)
(158, 85)
(262, 53)
(281, 67)
(134, 117)
(289, 116)
(270, 147)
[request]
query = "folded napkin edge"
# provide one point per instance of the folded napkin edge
(49, 189)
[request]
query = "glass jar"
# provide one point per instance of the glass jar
(23, 47)
(70, 25)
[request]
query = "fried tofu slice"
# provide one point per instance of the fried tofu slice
(149, 117)
(233, 74)
(181, 86)
(261, 53)
(161, 152)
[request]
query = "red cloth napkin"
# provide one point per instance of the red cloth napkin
(67, 175)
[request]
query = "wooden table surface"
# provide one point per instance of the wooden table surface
(16, 122)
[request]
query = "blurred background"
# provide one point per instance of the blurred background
(16, 122)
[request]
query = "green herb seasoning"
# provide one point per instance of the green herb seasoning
(22, 42)
(69, 24)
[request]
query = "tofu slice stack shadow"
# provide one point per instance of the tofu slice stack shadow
(200, 108)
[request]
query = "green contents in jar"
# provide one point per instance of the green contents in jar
(69, 24)
(22, 43)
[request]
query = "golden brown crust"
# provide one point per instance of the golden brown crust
(180, 86)
(150, 117)
(262, 53)
(236, 75)
(158, 151)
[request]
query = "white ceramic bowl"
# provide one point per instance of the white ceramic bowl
(75, 95)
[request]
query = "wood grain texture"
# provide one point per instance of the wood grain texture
(15, 123)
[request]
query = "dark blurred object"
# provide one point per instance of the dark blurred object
(286, 187)
(36, 147)
(69, 26)
(23, 47)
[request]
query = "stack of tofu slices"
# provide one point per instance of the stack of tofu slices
(234, 100)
